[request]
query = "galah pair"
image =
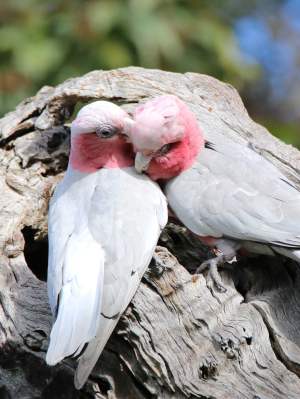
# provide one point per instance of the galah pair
(105, 219)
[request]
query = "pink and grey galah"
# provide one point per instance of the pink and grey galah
(227, 194)
(104, 223)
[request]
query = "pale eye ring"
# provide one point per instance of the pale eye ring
(105, 132)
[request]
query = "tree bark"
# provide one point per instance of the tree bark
(179, 338)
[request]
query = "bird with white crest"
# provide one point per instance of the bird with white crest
(228, 195)
(104, 223)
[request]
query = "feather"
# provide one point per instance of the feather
(80, 298)
(236, 193)
(95, 266)
(134, 218)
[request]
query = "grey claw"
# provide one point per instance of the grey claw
(213, 273)
(215, 276)
(204, 265)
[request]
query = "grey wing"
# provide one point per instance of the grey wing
(234, 192)
(132, 211)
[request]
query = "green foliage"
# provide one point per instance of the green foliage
(288, 132)
(45, 42)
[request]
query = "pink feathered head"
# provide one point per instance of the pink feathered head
(158, 122)
(166, 137)
(100, 114)
(99, 138)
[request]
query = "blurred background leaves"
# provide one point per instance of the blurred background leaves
(253, 45)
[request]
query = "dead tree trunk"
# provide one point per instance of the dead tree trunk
(179, 337)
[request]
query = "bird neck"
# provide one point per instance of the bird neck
(89, 153)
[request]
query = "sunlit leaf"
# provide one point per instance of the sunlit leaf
(38, 58)
(103, 15)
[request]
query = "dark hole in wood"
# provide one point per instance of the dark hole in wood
(207, 371)
(242, 284)
(104, 384)
(185, 246)
(36, 252)
(62, 387)
(41, 332)
(4, 393)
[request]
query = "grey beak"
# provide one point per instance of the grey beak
(127, 128)
(142, 162)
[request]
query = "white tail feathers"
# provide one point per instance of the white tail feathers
(80, 300)
(93, 351)
(106, 326)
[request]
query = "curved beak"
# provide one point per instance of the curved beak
(142, 162)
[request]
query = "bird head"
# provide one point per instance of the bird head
(102, 118)
(99, 137)
(165, 136)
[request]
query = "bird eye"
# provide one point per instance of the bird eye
(164, 149)
(106, 132)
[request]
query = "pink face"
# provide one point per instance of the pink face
(157, 123)
(99, 138)
(165, 136)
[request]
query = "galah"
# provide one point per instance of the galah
(228, 195)
(104, 223)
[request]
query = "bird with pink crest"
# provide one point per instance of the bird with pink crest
(97, 214)
(228, 195)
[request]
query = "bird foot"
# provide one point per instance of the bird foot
(213, 273)
(225, 251)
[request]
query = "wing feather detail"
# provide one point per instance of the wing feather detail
(235, 192)
(104, 241)
(80, 298)
(75, 271)
(138, 210)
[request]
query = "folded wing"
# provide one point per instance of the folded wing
(98, 258)
(133, 210)
(232, 191)
(75, 275)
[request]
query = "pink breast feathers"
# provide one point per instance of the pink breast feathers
(90, 153)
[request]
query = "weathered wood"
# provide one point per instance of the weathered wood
(179, 337)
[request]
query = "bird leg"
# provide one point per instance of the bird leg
(225, 251)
